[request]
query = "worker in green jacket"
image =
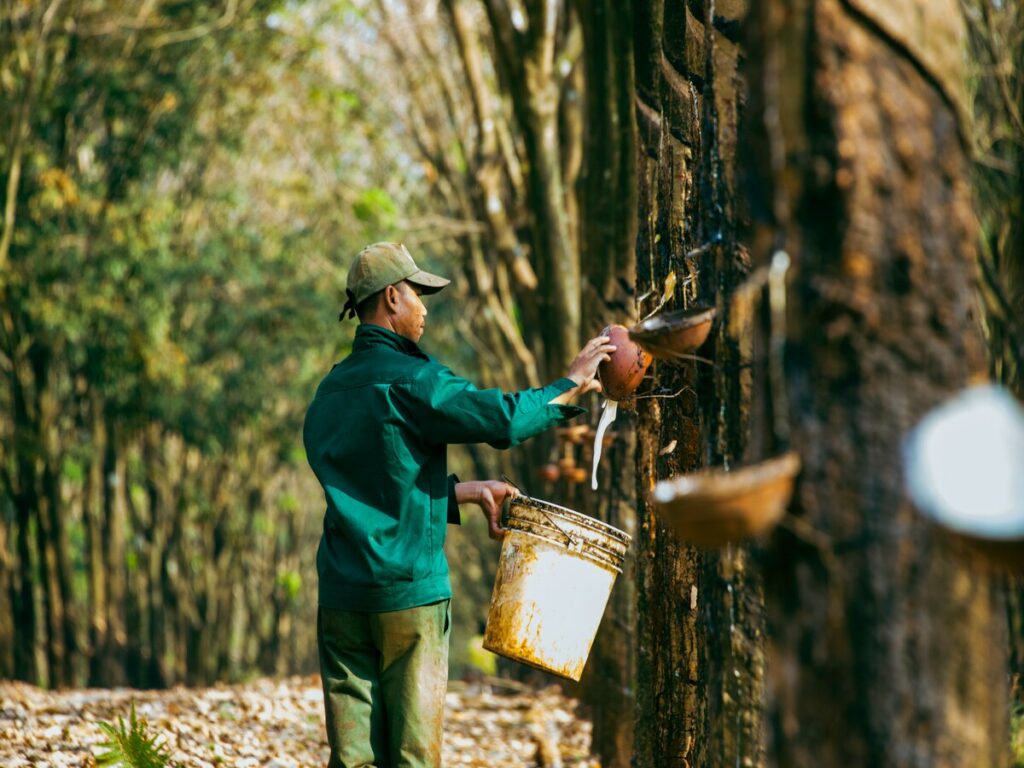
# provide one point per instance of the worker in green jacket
(376, 435)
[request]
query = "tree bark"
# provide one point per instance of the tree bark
(25, 665)
(885, 650)
(114, 524)
(96, 563)
(606, 191)
(7, 601)
(607, 186)
(701, 620)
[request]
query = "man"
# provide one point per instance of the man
(376, 435)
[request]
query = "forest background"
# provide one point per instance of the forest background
(186, 183)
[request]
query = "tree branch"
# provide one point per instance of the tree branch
(1010, 104)
(18, 136)
(508, 41)
(194, 33)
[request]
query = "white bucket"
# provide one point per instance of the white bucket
(556, 571)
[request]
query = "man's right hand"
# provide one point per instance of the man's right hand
(584, 368)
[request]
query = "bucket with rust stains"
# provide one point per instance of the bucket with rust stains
(556, 571)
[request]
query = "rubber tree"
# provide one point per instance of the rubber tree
(700, 614)
(606, 191)
(884, 649)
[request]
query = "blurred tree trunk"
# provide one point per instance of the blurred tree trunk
(26, 666)
(160, 507)
(532, 65)
(884, 650)
(7, 598)
(700, 614)
(25, 615)
(95, 561)
(114, 522)
(38, 501)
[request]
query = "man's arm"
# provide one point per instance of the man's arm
(449, 409)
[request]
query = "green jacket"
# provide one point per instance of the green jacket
(376, 435)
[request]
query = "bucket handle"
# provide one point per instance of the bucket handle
(568, 536)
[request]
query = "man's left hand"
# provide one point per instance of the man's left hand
(489, 495)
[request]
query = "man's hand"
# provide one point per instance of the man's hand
(584, 368)
(489, 495)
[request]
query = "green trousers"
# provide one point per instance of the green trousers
(385, 677)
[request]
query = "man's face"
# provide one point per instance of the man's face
(410, 315)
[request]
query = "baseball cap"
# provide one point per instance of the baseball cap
(382, 264)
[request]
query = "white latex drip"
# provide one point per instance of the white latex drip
(611, 407)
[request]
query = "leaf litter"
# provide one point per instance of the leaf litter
(279, 724)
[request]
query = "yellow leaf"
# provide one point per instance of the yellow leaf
(670, 288)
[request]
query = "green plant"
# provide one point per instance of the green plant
(1017, 735)
(132, 746)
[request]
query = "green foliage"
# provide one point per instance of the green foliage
(132, 746)
(72, 470)
(1017, 735)
(291, 582)
(375, 207)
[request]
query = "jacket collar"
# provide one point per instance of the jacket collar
(370, 336)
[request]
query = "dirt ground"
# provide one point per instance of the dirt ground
(279, 724)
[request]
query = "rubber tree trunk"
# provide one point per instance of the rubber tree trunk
(700, 614)
(606, 191)
(884, 649)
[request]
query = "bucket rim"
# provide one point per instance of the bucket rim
(573, 516)
(591, 552)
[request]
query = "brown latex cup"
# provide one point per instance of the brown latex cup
(712, 508)
(671, 334)
(621, 375)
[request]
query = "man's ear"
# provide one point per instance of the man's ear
(391, 297)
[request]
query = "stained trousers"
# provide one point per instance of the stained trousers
(384, 677)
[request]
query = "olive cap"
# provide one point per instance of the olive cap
(382, 264)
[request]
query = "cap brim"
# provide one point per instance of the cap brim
(428, 282)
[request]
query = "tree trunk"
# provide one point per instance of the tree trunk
(7, 601)
(53, 613)
(114, 524)
(607, 186)
(25, 619)
(96, 563)
(59, 563)
(158, 502)
(52, 516)
(526, 61)
(607, 233)
(885, 650)
(700, 625)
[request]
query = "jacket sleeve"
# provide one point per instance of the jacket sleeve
(446, 409)
(454, 515)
